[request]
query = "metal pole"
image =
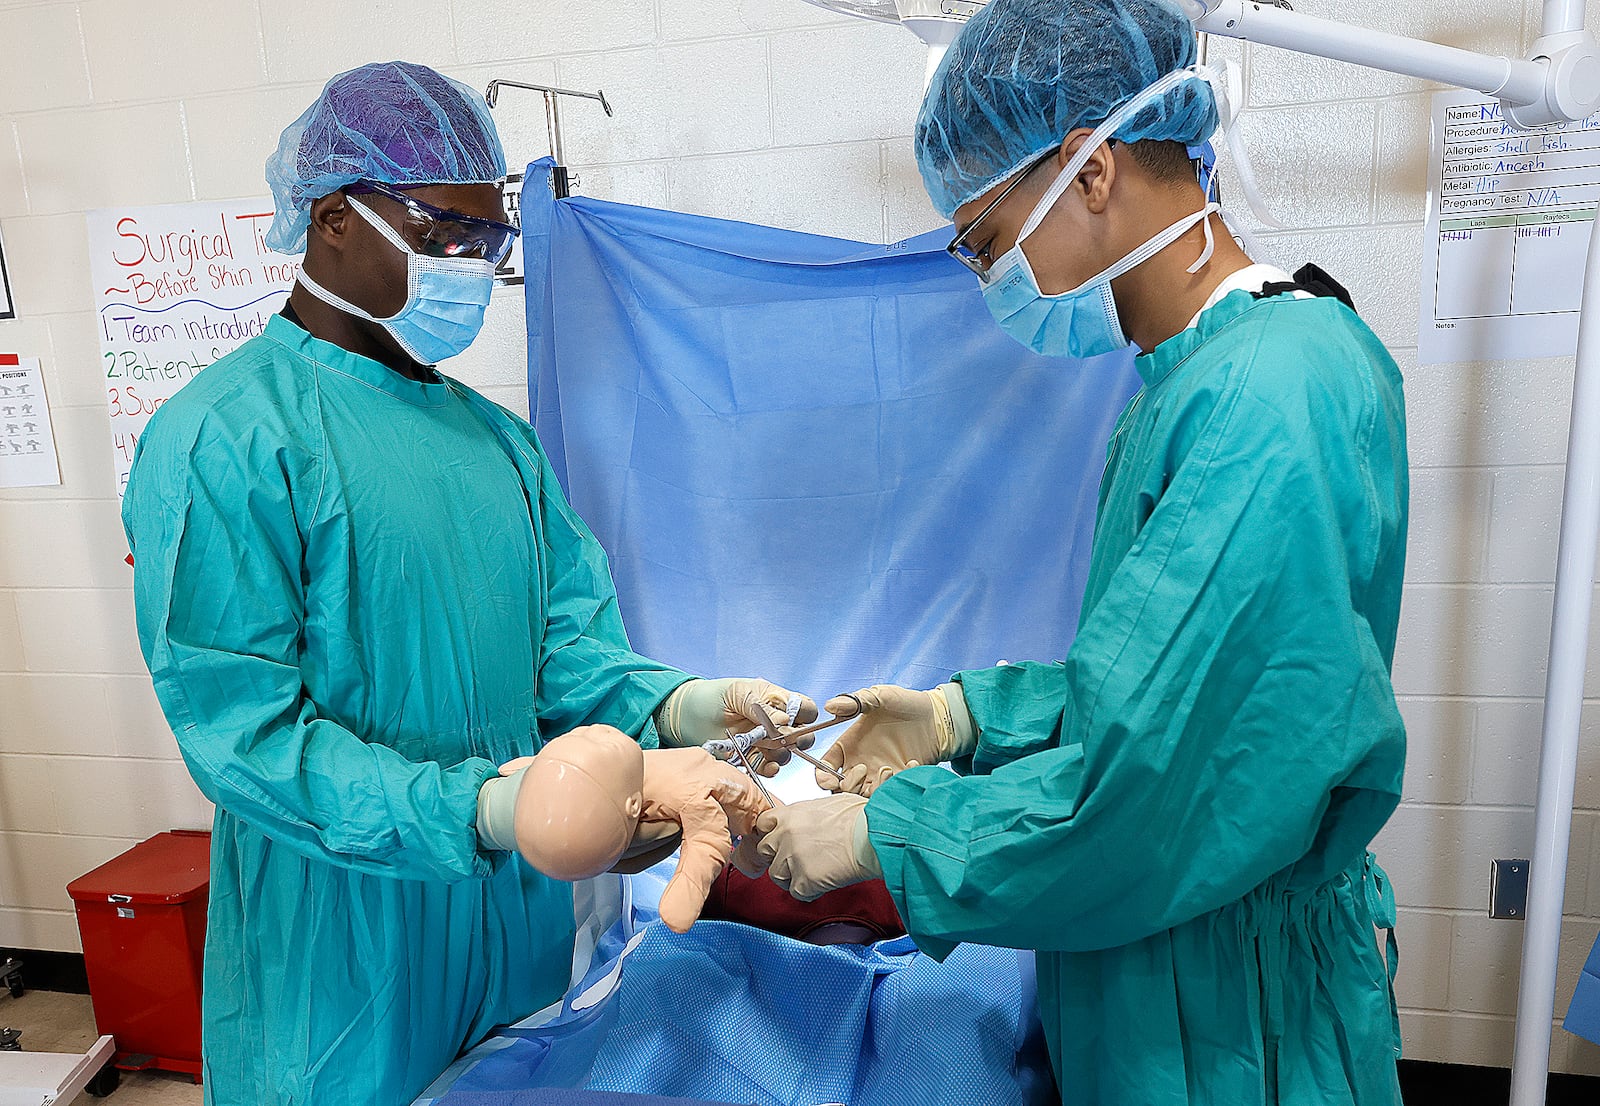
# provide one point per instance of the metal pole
(492, 93)
(1563, 704)
(552, 115)
(1520, 82)
(1561, 16)
(560, 182)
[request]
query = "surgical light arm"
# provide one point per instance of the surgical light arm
(1559, 82)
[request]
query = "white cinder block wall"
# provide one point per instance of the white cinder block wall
(775, 112)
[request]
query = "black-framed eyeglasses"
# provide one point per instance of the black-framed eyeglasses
(443, 233)
(958, 247)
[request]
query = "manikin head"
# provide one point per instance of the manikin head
(589, 785)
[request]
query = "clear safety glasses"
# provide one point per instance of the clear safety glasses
(978, 262)
(441, 233)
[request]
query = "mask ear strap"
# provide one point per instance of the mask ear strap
(1227, 86)
(1151, 247)
(1101, 134)
(1205, 254)
(381, 225)
(304, 278)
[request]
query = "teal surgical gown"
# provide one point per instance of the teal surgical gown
(358, 594)
(1177, 815)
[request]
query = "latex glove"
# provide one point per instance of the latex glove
(703, 710)
(497, 806)
(813, 847)
(899, 729)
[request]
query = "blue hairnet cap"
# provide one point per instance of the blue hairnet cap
(1023, 74)
(393, 122)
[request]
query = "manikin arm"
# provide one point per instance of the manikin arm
(712, 801)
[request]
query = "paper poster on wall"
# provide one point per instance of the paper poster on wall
(1509, 218)
(509, 273)
(27, 446)
(7, 311)
(176, 287)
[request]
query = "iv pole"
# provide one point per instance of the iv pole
(560, 182)
(1559, 82)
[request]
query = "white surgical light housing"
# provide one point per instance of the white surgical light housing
(935, 22)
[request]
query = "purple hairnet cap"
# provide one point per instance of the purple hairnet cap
(1023, 74)
(394, 122)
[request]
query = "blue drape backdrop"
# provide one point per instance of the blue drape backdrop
(809, 459)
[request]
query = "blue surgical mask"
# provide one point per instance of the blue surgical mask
(1082, 322)
(446, 299)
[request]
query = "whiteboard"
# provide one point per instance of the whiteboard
(176, 287)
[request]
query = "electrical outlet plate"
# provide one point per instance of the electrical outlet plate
(1508, 889)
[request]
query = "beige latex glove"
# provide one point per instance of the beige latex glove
(712, 801)
(813, 847)
(702, 710)
(899, 728)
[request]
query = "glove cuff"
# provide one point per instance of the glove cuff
(861, 843)
(667, 714)
(672, 716)
(696, 712)
(958, 736)
(497, 811)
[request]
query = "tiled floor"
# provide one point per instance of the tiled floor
(52, 1022)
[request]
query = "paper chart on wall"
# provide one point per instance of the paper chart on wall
(1509, 218)
(176, 287)
(27, 445)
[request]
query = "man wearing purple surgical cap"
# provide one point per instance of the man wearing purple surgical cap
(359, 591)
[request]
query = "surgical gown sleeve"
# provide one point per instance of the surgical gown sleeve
(221, 609)
(1030, 724)
(1221, 715)
(588, 673)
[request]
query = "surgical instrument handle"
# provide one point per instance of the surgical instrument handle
(818, 727)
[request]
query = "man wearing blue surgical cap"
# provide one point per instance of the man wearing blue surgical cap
(359, 591)
(1177, 815)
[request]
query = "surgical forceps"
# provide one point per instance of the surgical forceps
(738, 746)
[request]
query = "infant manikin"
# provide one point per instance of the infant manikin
(589, 793)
